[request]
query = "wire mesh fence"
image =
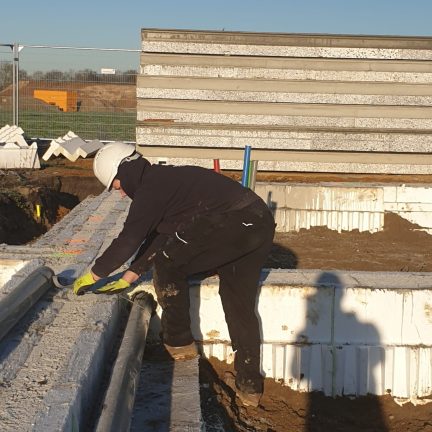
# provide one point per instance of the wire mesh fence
(6, 86)
(6, 116)
(88, 91)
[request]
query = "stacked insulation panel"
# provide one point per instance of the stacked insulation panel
(15, 153)
(322, 103)
(71, 146)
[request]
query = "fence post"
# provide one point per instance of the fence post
(15, 83)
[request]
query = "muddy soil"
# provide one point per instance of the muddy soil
(284, 410)
(56, 190)
(401, 246)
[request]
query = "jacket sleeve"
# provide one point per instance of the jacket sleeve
(143, 217)
(144, 258)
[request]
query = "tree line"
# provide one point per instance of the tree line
(85, 75)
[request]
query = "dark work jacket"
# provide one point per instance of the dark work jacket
(165, 198)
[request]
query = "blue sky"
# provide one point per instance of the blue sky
(117, 24)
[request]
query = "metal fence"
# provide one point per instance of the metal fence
(49, 91)
(8, 84)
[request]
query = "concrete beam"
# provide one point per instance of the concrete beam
(120, 396)
(292, 156)
(260, 88)
(279, 114)
(173, 36)
(223, 66)
(14, 305)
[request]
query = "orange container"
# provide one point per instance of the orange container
(65, 100)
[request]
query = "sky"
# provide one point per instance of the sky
(117, 24)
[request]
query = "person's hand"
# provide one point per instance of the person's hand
(114, 287)
(82, 283)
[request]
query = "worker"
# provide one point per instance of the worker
(186, 220)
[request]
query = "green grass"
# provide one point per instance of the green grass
(87, 125)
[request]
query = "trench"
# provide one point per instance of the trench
(28, 209)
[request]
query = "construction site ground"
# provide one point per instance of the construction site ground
(401, 246)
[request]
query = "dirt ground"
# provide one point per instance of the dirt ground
(401, 246)
(57, 189)
(284, 410)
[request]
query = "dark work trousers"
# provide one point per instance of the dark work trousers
(236, 245)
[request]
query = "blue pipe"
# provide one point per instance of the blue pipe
(246, 163)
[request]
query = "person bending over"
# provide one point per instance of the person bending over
(185, 220)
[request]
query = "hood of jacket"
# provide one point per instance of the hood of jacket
(131, 173)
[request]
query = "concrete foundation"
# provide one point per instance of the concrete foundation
(346, 206)
(325, 331)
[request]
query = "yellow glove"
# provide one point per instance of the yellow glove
(113, 287)
(82, 283)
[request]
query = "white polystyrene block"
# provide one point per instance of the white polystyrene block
(389, 194)
(424, 371)
(300, 315)
(16, 158)
(358, 316)
(267, 359)
(340, 333)
(376, 378)
(278, 362)
(8, 268)
(401, 370)
(315, 372)
(414, 194)
(423, 219)
(349, 381)
(416, 325)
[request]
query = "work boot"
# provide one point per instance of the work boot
(246, 398)
(186, 352)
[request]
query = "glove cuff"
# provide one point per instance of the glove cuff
(121, 283)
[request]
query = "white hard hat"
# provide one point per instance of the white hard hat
(108, 159)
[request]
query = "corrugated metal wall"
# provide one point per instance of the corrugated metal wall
(281, 92)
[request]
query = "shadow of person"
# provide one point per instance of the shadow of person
(280, 257)
(339, 356)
